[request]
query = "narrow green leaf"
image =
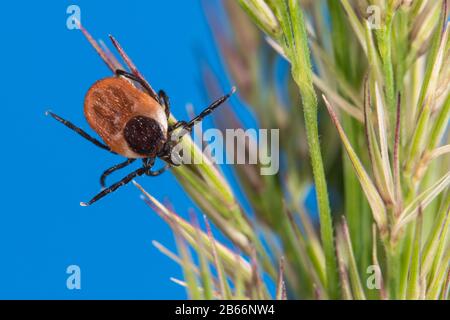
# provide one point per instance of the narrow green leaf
(414, 271)
(224, 287)
(440, 125)
(262, 15)
(438, 231)
(205, 273)
(375, 201)
(372, 146)
(423, 199)
(427, 95)
(343, 273)
(382, 131)
(171, 255)
(189, 275)
(358, 289)
(438, 281)
(355, 23)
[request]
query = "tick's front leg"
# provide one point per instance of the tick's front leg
(80, 131)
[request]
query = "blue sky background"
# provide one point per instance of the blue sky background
(47, 170)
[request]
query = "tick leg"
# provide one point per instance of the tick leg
(166, 154)
(164, 99)
(188, 125)
(115, 186)
(80, 131)
(112, 169)
(139, 80)
(158, 172)
(148, 164)
(179, 124)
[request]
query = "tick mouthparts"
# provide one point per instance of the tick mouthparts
(233, 89)
(84, 204)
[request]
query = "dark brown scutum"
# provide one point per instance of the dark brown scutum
(144, 135)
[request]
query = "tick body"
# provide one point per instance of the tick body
(129, 121)
(132, 121)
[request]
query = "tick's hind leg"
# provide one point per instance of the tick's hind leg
(115, 186)
(158, 172)
(148, 164)
(80, 131)
(113, 169)
(139, 172)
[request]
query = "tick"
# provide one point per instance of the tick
(132, 120)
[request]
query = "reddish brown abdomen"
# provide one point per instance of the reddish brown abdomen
(108, 106)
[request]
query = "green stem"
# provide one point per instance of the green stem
(393, 268)
(326, 227)
(296, 46)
